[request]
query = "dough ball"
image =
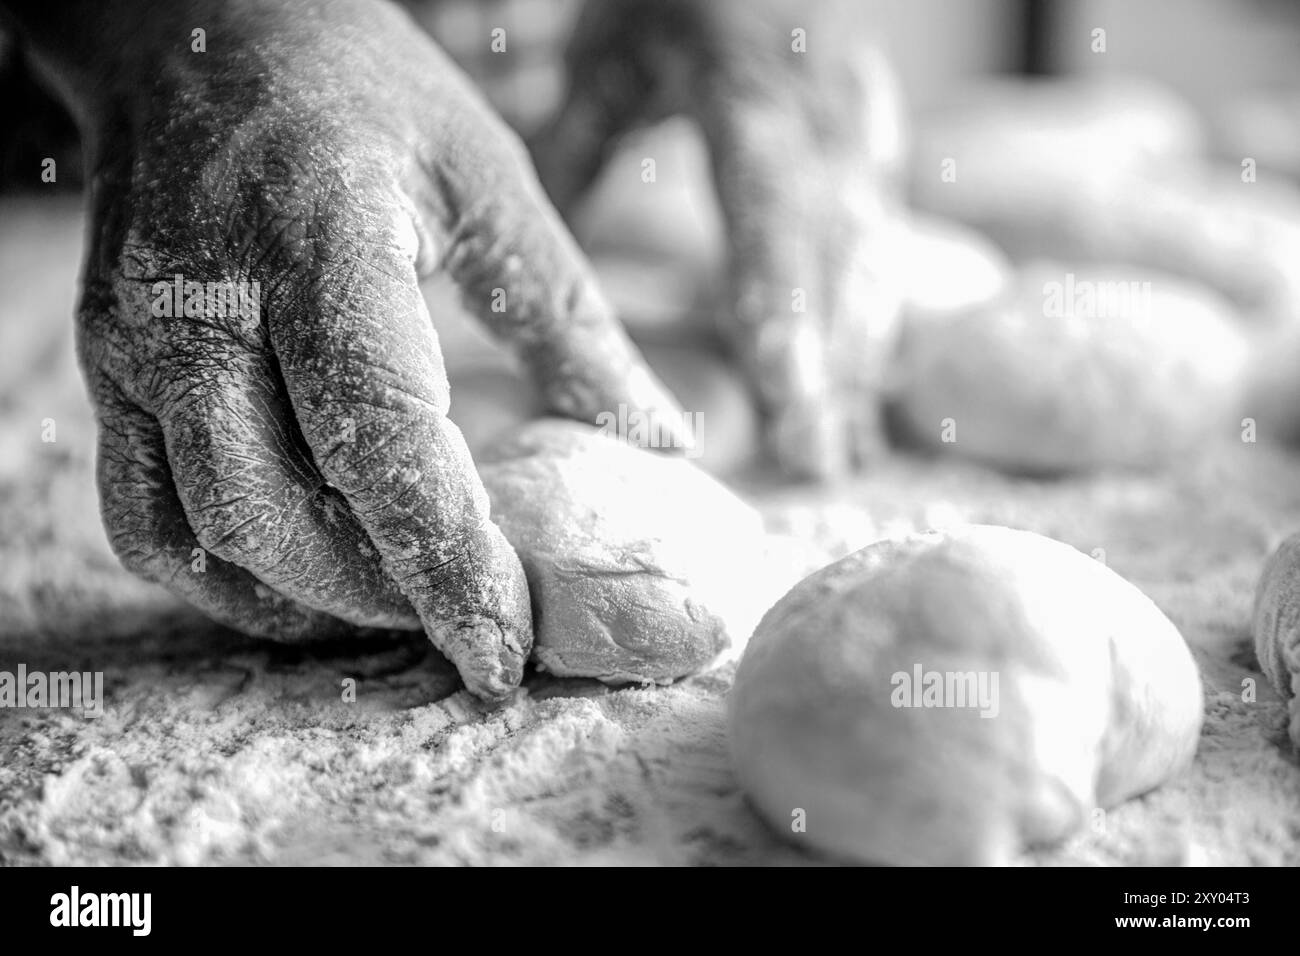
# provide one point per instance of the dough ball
(1116, 170)
(1276, 626)
(641, 567)
(1072, 370)
(952, 697)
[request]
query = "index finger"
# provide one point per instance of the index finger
(523, 275)
(355, 344)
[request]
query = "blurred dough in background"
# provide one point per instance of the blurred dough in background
(1129, 160)
(1046, 380)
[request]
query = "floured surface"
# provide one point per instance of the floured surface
(215, 748)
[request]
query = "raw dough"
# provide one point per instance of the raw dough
(1097, 699)
(641, 567)
(997, 151)
(1127, 381)
(1083, 169)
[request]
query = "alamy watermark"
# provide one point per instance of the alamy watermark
(654, 430)
(182, 298)
(71, 690)
(129, 910)
(976, 690)
(1085, 299)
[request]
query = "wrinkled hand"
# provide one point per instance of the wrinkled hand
(329, 153)
(805, 145)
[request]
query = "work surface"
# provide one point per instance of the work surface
(218, 749)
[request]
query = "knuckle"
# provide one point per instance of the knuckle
(306, 195)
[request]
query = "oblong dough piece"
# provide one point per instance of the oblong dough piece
(998, 150)
(1074, 369)
(638, 563)
(1115, 170)
(1097, 699)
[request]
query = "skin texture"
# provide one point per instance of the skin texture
(330, 152)
(805, 149)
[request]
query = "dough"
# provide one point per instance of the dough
(1012, 142)
(1276, 626)
(1074, 369)
(1114, 170)
(1097, 699)
(641, 567)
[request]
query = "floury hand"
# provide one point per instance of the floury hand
(297, 475)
